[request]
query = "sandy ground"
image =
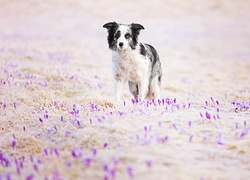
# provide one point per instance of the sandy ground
(58, 119)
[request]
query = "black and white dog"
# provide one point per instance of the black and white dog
(133, 62)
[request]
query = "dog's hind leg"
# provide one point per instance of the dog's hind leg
(134, 89)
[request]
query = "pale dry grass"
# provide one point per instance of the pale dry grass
(58, 119)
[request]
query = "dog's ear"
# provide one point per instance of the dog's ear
(136, 27)
(110, 25)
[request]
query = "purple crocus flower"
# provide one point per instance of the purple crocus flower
(236, 125)
(94, 151)
(100, 85)
(30, 177)
(130, 171)
(45, 152)
(105, 144)
(35, 167)
(41, 120)
(189, 124)
(212, 99)
(106, 168)
(87, 161)
(56, 152)
(76, 152)
(174, 126)
(113, 173)
(191, 138)
(15, 104)
(67, 133)
(68, 163)
(208, 116)
(13, 144)
(244, 132)
(220, 139)
(4, 106)
(149, 163)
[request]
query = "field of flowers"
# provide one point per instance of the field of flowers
(58, 119)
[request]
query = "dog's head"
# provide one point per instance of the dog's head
(121, 36)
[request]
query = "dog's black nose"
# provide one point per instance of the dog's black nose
(120, 44)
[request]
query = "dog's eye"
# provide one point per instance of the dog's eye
(118, 34)
(127, 35)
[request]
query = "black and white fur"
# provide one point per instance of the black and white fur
(133, 62)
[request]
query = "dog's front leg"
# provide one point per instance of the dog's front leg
(118, 86)
(143, 89)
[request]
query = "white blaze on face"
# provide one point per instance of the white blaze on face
(122, 42)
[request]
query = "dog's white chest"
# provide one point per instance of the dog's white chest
(129, 66)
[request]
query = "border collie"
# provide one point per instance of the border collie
(133, 62)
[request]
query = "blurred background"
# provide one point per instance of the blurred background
(189, 35)
(76, 18)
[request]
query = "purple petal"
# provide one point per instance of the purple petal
(76, 152)
(149, 163)
(130, 171)
(220, 139)
(100, 85)
(45, 152)
(68, 163)
(41, 120)
(244, 132)
(208, 116)
(94, 152)
(105, 145)
(4, 106)
(15, 104)
(8, 177)
(174, 126)
(87, 161)
(30, 177)
(212, 99)
(46, 116)
(56, 152)
(13, 144)
(35, 167)
(113, 173)
(106, 168)
(219, 142)
(159, 123)
(191, 138)
(31, 158)
(67, 133)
